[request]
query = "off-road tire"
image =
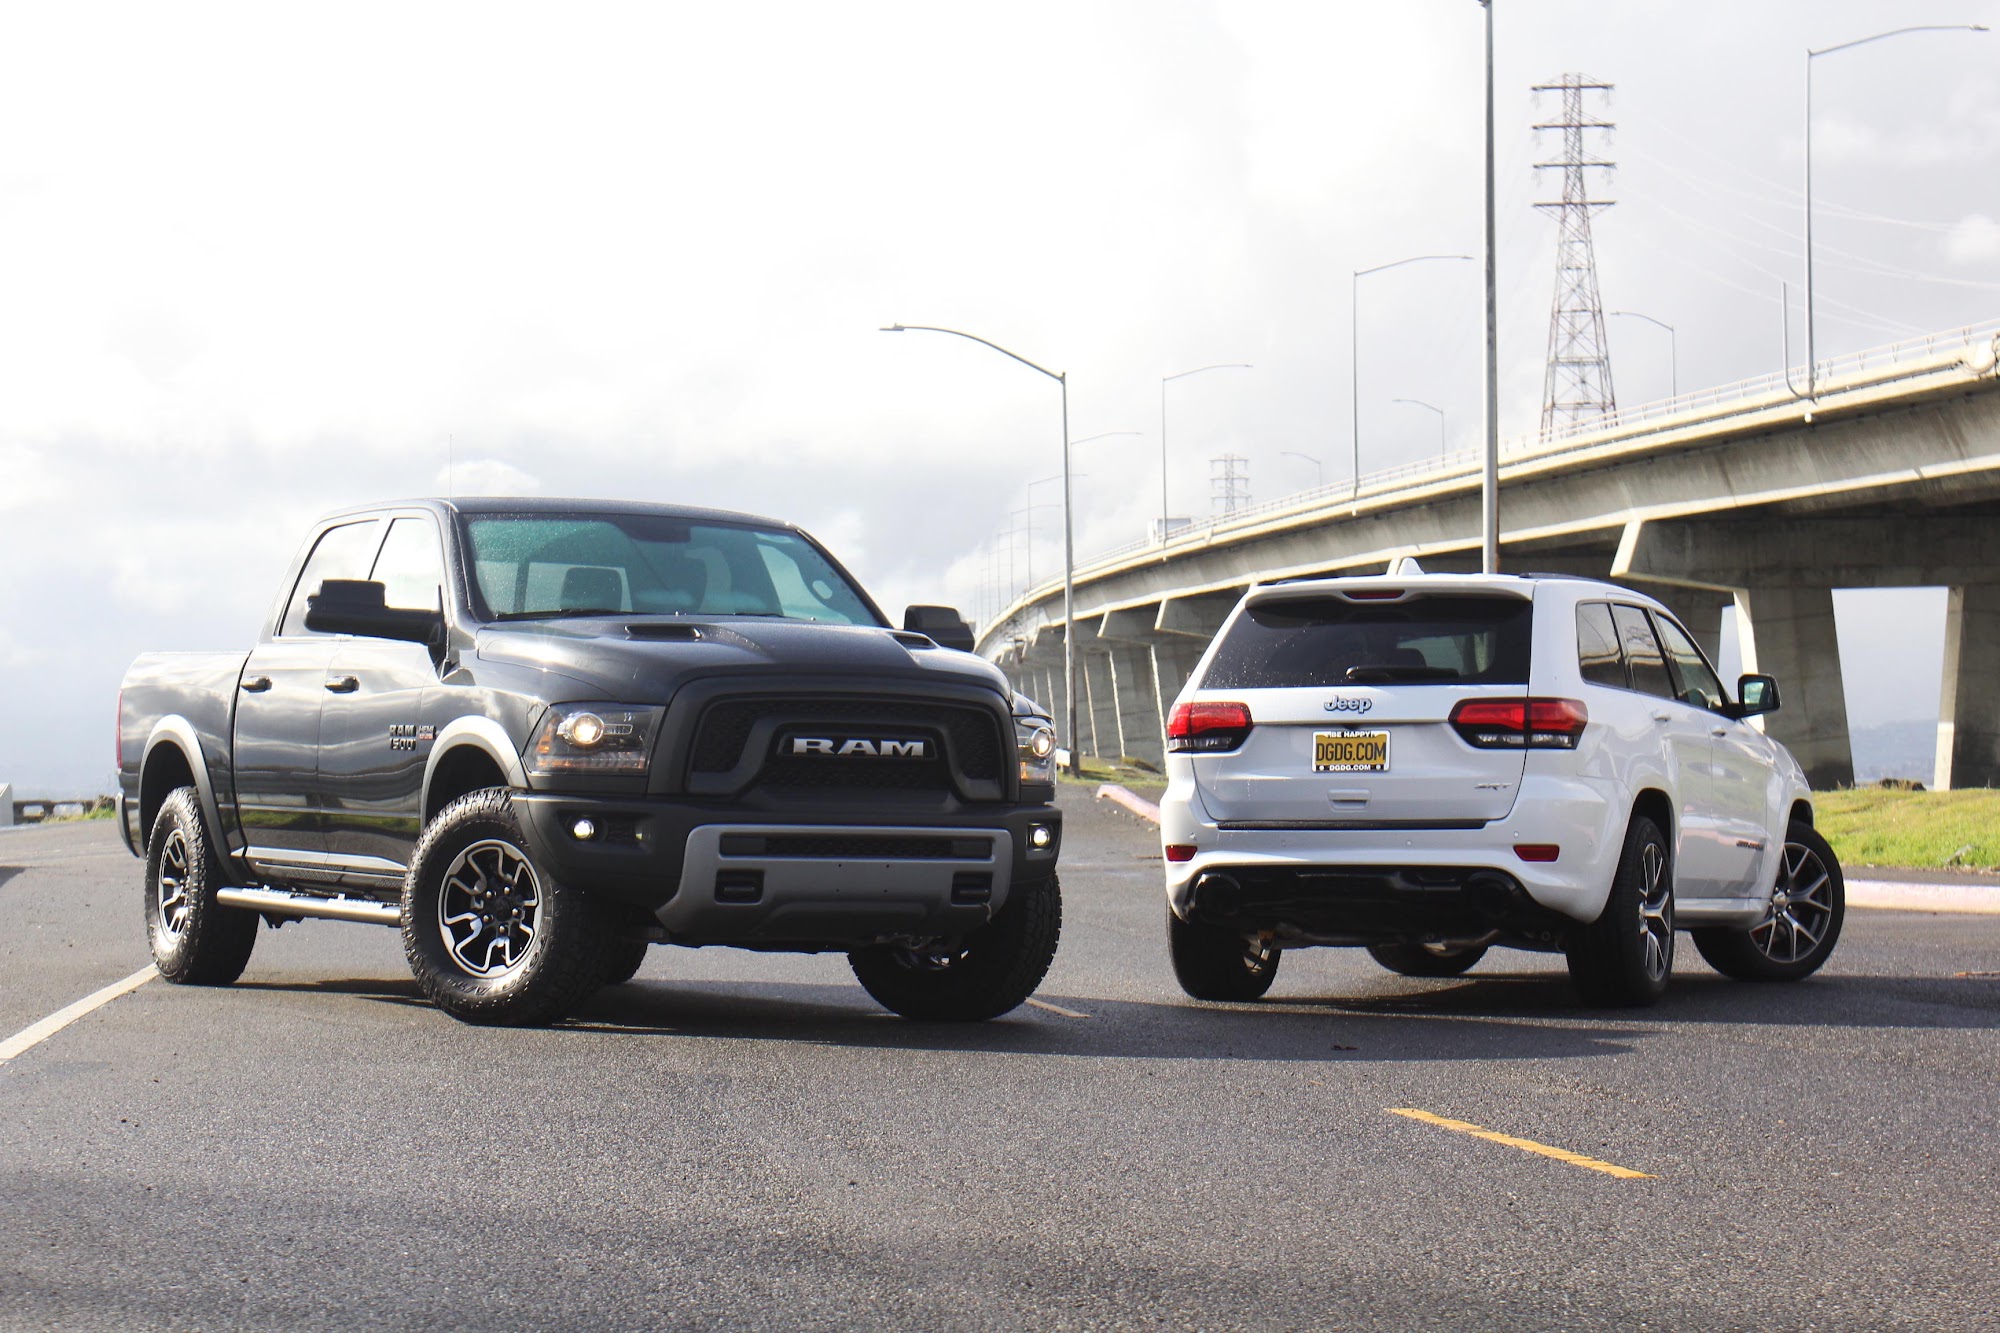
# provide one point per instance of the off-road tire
(623, 957)
(992, 971)
(1623, 959)
(1799, 931)
(473, 865)
(1414, 960)
(1216, 964)
(195, 940)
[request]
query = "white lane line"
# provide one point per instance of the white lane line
(1057, 1009)
(1892, 895)
(1132, 801)
(34, 1035)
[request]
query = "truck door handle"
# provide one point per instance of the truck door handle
(257, 684)
(343, 684)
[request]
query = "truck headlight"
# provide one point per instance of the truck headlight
(594, 738)
(1035, 743)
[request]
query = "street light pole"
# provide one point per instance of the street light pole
(1226, 365)
(1354, 351)
(1673, 348)
(1418, 402)
(1812, 357)
(1069, 532)
(1489, 478)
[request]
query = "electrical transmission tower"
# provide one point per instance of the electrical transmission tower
(1229, 483)
(1578, 384)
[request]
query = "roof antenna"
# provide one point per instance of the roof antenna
(450, 465)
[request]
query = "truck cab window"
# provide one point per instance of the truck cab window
(340, 553)
(409, 567)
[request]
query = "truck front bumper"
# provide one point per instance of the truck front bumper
(706, 876)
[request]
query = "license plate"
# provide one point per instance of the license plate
(1350, 751)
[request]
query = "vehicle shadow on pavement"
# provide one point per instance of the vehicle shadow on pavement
(1112, 1029)
(1821, 1001)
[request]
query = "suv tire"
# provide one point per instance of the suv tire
(490, 936)
(623, 957)
(1623, 958)
(1414, 960)
(1803, 924)
(195, 940)
(988, 973)
(1212, 963)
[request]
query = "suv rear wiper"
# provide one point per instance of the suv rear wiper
(1388, 675)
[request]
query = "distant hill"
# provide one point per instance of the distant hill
(1904, 749)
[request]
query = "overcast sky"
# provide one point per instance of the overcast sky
(259, 262)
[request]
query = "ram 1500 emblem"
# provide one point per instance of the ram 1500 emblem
(873, 749)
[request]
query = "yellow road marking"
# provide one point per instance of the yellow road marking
(35, 1034)
(1526, 1145)
(1057, 1009)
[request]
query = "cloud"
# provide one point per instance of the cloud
(1975, 240)
(486, 476)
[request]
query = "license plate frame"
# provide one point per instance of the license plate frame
(1330, 755)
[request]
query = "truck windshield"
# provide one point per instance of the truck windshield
(531, 566)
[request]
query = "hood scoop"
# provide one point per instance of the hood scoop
(912, 639)
(664, 631)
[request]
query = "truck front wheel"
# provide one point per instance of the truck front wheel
(491, 937)
(988, 973)
(195, 940)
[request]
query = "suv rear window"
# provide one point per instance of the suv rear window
(1435, 640)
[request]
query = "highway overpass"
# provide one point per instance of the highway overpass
(1748, 495)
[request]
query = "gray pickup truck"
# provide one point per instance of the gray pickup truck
(537, 736)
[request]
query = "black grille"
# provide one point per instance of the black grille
(857, 847)
(970, 735)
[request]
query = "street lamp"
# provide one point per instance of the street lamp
(1069, 532)
(1673, 348)
(1354, 348)
(1418, 402)
(1032, 506)
(1812, 360)
(1226, 365)
(1318, 466)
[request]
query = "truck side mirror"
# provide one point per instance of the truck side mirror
(358, 606)
(941, 624)
(1756, 694)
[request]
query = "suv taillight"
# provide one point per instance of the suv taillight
(1520, 724)
(1205, 728)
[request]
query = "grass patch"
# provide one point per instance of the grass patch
(1145, 782)
(1933, 830)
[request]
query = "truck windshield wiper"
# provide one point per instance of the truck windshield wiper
(559, 615)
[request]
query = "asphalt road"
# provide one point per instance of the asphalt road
(744, 1141)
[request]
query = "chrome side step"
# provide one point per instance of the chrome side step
(280, 903)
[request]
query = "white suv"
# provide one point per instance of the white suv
(1430, 765)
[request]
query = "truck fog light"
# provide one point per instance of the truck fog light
(1039, 836)
(583, 830)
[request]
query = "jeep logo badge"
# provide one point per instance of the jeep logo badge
(1349, 705)
(856, 746)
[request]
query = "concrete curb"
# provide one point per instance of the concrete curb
(1877, 894)
(1132, 801)
(1890, 896)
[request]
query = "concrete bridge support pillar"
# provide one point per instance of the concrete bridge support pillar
(1791, 635)
(1701, 611)
(1173, 663)
(1141, 731)
(1968, 743)
(1098, 717)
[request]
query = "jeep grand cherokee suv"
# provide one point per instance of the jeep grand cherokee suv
(1431, 765)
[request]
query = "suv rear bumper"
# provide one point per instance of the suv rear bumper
(1436, 870)
(1359, 904)
(709, 876)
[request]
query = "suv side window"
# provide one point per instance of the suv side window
(1597, 656)
(409, 567)
(1642, 651)
(340, 553)
(1699, 684)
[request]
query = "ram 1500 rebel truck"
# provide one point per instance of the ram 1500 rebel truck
(537, 736)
